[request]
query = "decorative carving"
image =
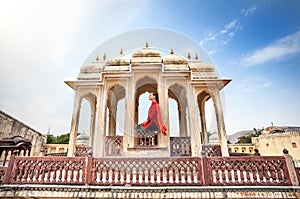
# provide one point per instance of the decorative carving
(114, 145)
(83, 151)
(211, 150)
(146, 171)
(252, 170)
(146, 138)
(180, 146)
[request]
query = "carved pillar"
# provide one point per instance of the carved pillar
(74, 124)
(220, 122)
(164, 109)
(183, 130)
(99, 138)
(130, 111)
(92, 123)
(203, 121)
(194, 124)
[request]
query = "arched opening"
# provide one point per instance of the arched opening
(173, 118)
(209, 130)
(86, 125)
(144, 86)
(177, 110)
(115, 111)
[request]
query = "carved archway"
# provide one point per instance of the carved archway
(178, 93)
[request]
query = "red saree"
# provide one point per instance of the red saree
(154, 117)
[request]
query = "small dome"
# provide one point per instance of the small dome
(174, 59)
(119, 61)
(146, 52)
(82, 139)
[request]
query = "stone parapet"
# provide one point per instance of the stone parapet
(67, 191)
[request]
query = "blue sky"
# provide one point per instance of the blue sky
(256, 43)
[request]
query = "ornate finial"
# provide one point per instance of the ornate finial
(104, 57)
(97, 58)
(189, 55)
(171, 52)
(121, 52)
(196, 57)
(147, 45)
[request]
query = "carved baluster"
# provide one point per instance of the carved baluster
(43, 173)
(72, 173)
(174, 174)
(185, 174)
(101, 170)
(37, 173)
(118, 176)
(260, 172)
(273, 174)
(155, 176)
(107, 173)
(223, 175)
(149, 175)
(266, 172)
(254, 173)
(31, 172)
(167, 175)
(48, 174)
(66, 174)
(60, 173)
(112, 175)
(54, 173)
(229, 169)
(242, 169)
(235, 173)
(125, 175)
(19, 177)
(161, 175)
(179, 174)
(143, 176)
(130, 175)
(94, 177)
(25, 176)
(248, 170)
(77, 170)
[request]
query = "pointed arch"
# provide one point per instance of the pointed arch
(115, 94)
(178, 93)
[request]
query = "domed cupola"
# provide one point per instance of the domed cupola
(146, 55)
(175, 62)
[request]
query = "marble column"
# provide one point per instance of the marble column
(74, 124)
(203, 121)
(220, 122)
(194, 124)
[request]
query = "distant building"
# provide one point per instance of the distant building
(246, 149)
(274, 139)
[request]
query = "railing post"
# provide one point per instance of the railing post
(291, 168)
(88, 170)
(204, 171)
(6, 177)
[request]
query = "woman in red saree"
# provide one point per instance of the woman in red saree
(154, 121)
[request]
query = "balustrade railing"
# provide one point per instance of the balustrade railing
(145, 138)
(180, 146)
(246, 170)
(168, 171)
(211, 150)
(83, 151)
(146, 171)
(114, 145)
(48, 170)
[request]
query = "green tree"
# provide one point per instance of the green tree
(61, 139)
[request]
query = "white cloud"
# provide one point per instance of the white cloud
(248, 11)
(253, 84)
(215, 40)
(280, 49)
